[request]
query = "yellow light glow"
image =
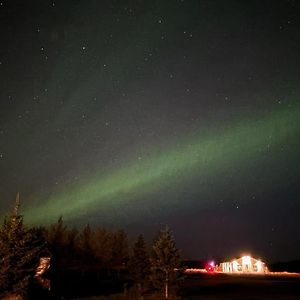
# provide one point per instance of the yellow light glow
(235, 266)
(259, 266)
(244, 264)
(246, 260)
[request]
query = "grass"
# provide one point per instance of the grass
(130, 297)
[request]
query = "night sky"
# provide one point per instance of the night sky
(135, 114)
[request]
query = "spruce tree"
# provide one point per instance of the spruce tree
(19, 254)
(139, 265)
(86, 244)
(56, 237)
(119, 249)
(165, 261)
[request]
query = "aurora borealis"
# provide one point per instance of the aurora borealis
(203, 157)
(136, 114)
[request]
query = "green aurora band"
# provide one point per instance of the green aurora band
(202, 156)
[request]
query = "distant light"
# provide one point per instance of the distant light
(210, 267)
(235, 266)
(259, 266)
(246, 260)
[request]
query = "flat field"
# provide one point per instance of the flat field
(222, 286)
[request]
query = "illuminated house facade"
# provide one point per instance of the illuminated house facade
(244, 264)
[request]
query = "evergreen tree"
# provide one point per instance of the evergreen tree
(72, 247)
(165, 261)
(139, 265)
(103, 244)
(19, 254)
(119, 249)
(86, 244)
(56, 235)
(56, 239)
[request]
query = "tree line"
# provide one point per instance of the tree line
(149, 269)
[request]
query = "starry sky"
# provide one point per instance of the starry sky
(135, 114)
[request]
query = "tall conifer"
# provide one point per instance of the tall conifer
(165, 261)
(19, 254)
(139, 265)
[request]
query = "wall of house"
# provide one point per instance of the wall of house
(245, 264)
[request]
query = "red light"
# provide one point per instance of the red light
(210, 267)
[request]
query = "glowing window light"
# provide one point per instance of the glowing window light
(259, 266)
(246, 264)
(235, 266)
(246, 260)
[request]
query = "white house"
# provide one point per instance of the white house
(244, 264)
